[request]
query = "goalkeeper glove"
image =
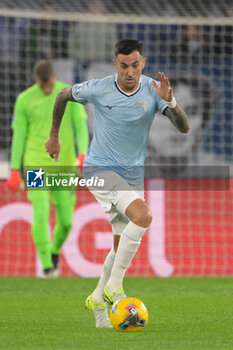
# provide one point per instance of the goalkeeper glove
(80, 160)
(14, 181)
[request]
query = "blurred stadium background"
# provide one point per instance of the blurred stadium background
(192, 42)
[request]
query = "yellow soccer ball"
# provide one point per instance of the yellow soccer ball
(129, 315)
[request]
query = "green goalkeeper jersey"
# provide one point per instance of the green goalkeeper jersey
(32, 122)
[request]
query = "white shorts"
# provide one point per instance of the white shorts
(115, 197)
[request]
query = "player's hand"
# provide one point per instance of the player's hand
(164, 90)
(15, 182)
(80, 160)
(53, 147)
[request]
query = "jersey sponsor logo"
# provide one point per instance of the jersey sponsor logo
(35, 178)
(110, 107)
(144, 104)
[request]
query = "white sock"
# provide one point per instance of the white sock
(107, 268)
(129, 243)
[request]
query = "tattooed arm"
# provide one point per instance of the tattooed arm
(174, 113)
(178, 118)
(53, 145)
(62, 98)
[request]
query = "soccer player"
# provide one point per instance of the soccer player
(31, 127)
(125, 105)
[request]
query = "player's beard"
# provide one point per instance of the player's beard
(131, 85)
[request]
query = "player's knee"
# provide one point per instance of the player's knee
(143, 218)
(66, 227)
(65, 223)
(139, 213)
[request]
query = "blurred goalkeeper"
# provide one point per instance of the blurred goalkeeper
(31, 127)
(125, 105)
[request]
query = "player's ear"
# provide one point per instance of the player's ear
(114, 61)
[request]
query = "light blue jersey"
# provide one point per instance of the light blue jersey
(121, 127)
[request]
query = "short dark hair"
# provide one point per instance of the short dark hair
(43, 70)
(127, 46)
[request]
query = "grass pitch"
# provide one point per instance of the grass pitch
(49, 314)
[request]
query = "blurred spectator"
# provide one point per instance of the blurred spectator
(178, 148)
(193, 47)
(45, 39)
(92, 42)
(91, 47)
(12, 31)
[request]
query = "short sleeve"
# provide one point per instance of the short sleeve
(82, 93)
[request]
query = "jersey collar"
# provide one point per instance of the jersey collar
(125, 93)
